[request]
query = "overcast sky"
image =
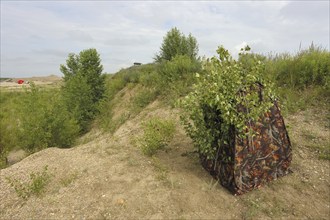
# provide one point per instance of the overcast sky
(37, 36)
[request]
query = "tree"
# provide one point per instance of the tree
(84, 85)
(176, 43)
(77, 96)
(88, 65)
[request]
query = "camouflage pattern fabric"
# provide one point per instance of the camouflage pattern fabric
(243, 165)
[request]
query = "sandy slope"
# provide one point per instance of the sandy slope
(107, 177)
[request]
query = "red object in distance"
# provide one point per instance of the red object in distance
(20, 81)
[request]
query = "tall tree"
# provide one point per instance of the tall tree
(84, 85)
(176, 43)
(88, 65)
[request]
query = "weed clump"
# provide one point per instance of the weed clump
(157, 134)
(35, 186)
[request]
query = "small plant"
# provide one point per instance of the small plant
(35, 186)
(157, 135)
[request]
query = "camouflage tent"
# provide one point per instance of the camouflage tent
(245, 164)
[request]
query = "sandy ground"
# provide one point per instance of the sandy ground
(107, 177)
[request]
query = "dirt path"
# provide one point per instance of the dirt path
(107, 177)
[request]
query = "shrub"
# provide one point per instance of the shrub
(302, 79)
(213, 108)
(113, 85)
(309, 67)
(63, 127)
(44, 121)
(157, 134)
(151, 79)
(9, 111)
(181, 67)
(177, 76)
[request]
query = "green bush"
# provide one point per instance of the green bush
(177, 76)
(181, 67)
(9, 121)
(157, 133)
(151, 79)
(302, 79)
(310, 67)
(177, 62)
(44, 121)
(113, 85)
(211, 111)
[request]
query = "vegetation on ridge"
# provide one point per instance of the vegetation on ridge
(39, 118)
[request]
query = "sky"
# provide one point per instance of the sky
(37, 36)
